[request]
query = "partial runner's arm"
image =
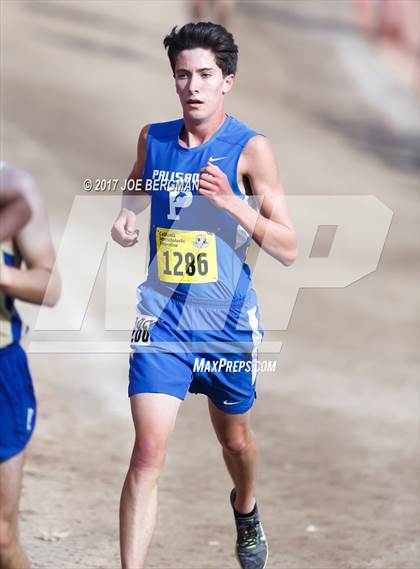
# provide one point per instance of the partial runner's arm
(134, 202)
(271, 227)
(14, 207)
(39, 282)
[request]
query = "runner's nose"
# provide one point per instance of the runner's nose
(194, 86)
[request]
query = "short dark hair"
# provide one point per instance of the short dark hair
(207, 36)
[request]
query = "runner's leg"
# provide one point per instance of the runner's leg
(12, 555)
(154, 416)
(239, 452)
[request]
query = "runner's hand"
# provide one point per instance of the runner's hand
(124, 230)
(215, 186)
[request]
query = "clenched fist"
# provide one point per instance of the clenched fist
(215, 186)
(124, 230)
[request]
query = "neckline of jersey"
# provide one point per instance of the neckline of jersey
(209, 141)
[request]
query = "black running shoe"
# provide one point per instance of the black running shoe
(251, 548)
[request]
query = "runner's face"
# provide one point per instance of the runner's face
(200, 84)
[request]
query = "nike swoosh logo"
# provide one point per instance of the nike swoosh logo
(231, 402)
(211, 159)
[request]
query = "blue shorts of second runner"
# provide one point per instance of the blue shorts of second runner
(181, 344)
(17, 401)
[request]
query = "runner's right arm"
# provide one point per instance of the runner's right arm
(124, 230)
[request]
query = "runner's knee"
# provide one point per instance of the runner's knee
(8, 534)
(148, 455)
(235, 443)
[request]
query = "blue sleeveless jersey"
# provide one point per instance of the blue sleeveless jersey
(11, 326)
(195, 247)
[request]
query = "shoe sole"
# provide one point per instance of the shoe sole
(235, 554)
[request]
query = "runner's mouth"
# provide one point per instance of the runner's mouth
(194, 102)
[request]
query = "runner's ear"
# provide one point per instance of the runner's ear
(228, 82)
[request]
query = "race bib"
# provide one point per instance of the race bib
(186, 256)
(141, 331)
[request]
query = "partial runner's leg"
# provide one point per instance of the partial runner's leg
(239, 452)
(12, 555)
(154, 416)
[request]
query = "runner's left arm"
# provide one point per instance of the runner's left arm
(271, 227)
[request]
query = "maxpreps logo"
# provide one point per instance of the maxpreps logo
(236, 366)
(172, 181)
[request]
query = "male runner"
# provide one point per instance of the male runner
(198, 301)
(38, 283)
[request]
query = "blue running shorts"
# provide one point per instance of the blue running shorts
(182, 344)
(17, 401)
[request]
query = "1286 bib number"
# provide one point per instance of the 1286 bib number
(186, 256)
